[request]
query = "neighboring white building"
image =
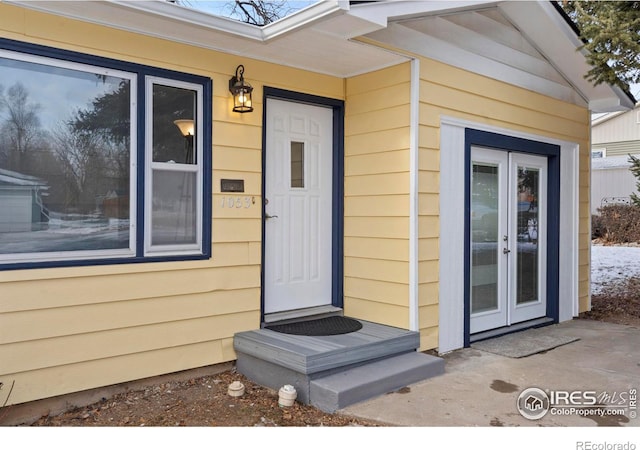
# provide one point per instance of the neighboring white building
(613, 137)
(20, 201)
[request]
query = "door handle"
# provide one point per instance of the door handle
(267, 216)
(506, 251)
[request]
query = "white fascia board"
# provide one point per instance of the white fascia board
(108, 12)
(299, 19)
(610, 104)
(554, 38)
(304, 17)
(184, 15)
(193, 17)
(418, 43)
(382, 11)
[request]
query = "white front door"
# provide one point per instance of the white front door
(508, 267)
(298, 206)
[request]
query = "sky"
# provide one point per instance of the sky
(224, 7)
(59, 92)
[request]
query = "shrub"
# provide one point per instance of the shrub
(597, 227)
(617, 224)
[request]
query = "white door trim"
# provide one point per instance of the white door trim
(452, 260)
(414, 299)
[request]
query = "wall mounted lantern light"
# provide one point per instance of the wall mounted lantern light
(186, 127)
(241, 91)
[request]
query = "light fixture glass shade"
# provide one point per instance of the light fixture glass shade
(185, 126)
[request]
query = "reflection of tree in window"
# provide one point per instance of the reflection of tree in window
(20, 128)
(79, 156)
(169, 104)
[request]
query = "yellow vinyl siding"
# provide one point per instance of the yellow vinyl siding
(379, 312)
(366, 247)
(68, 329)
(376, 141)
(384, 205)
(69, 378)
(376, 224)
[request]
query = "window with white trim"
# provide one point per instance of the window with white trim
(174, 173)
(100, 160)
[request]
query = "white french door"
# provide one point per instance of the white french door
(298, 206)
(508, 242)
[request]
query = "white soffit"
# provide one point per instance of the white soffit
(315, 38)
(527, 44)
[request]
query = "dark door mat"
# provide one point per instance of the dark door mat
(327, 326)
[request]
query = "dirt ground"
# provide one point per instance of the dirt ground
(619, 303)
(202, 402)
(205, 402)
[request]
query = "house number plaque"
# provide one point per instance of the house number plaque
(237, 202)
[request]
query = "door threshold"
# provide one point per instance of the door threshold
(535, 323)
(316, 312)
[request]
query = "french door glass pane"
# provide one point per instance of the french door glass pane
(528, 252)
(484, 238)
(174, 208)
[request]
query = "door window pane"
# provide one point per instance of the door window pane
(484, 238)
(297, 164)
(65, 150)
(528, 252)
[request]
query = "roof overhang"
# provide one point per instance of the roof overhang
(526, 43)
(541, 52)
(316, 38)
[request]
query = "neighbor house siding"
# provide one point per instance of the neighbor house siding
(377, 119)
(452, 92)
(69, 329)
(617, 127)
(618, 148)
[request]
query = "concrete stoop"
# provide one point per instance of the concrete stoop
(332, 372)
(333, 392)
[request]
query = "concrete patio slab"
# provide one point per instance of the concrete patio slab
(481, 388)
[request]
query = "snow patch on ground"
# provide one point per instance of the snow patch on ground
(612, 263)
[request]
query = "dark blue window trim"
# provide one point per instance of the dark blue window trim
(337, 287)
(513, 144)
(142, 71)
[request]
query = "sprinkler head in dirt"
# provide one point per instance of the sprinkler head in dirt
(287, 395)
(236, 389)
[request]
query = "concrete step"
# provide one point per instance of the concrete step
(315, 354)
(332, 372)
(338, 390)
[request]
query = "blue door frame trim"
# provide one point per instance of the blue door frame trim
(337, 239)
(512, 144)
